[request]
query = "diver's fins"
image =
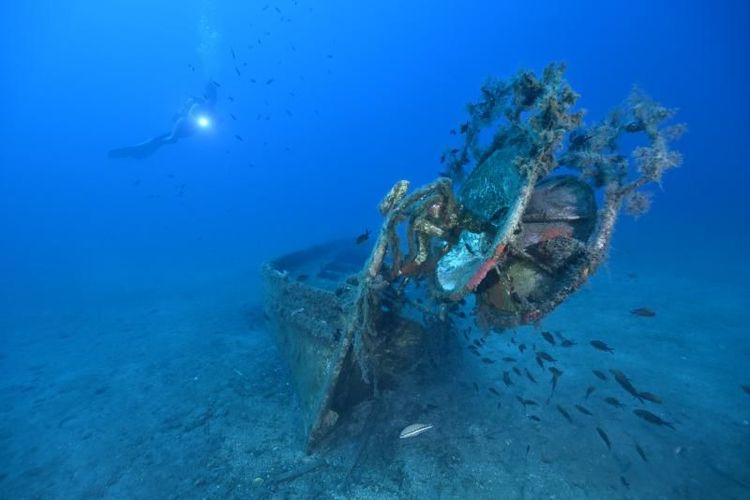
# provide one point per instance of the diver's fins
(139, 151)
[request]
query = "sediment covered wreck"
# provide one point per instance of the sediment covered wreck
(518, 221)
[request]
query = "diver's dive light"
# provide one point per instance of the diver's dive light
(203, 121)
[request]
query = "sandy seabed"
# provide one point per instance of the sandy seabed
(182, 394)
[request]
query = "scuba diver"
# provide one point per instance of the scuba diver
(195, 115)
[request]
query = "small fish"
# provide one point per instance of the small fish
(239, 137)
(583, 410)
(549, 338)
(453, 131)
(477, 342)
(494, 391)
(362, 237)
(567, 343)
(516, 370)
(302, 277)
(644, 312)
(613, 401)
(589, 391)
(641, 452)
(565, 414)
(624, 482)
(470, 250)
(522, 347)
(648, 396)
(488, 361)
(545, 356)
(599, 375)
(231, 99)
(288, 113)
(535, 418)
(192, 68)
(598, 344)
(476, 387)
(529, 375)
(624, 381)
(269, 81)
(414, 430)
(506, 379)
(233, 117)
(526, 402)
(237, 70)
(746, 388)
(604, 437)
(464, 127)
(555, 377)
(652, 419)
(234, 56)
(509, 359)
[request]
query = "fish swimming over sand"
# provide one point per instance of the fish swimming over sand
(644, 312)
(600, 375)
(584, 410)
(602, 346)
(506, 379)
(564, 413)
(604, 437)
(648, 396)
(613, 402)
(652, 419)
(624, 381)
(414, 430)
(640, 451)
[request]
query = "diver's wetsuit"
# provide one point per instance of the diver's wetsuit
(184, 126)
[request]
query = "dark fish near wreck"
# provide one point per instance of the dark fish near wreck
(644, 312)
(623, 380)
(640, 451)
(526, 402)
(362, 237)
(613, 401)
(648, 396)
(564, 413)
(549, 337)
(599, 375)
(584, 410)
(604, 437)
(598, 344)
(652, 419)
(545, 356)
(555, 377)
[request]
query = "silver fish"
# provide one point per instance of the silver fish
(414, 430)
